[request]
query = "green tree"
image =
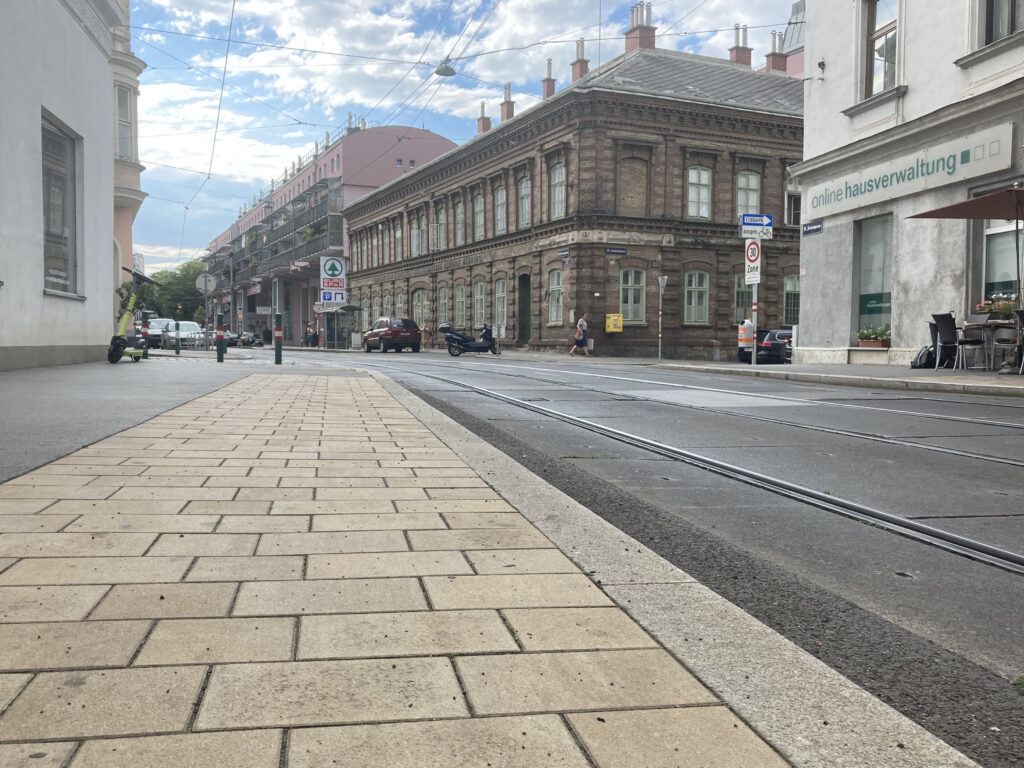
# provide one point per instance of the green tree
(178, 286)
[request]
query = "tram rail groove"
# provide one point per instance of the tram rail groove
(913, 529)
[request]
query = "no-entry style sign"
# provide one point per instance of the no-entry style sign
(752, 262)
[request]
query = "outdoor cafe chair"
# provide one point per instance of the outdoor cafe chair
(949, 336)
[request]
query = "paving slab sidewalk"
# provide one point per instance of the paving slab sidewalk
(343, 586)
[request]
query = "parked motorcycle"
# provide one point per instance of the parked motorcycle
(460, 342)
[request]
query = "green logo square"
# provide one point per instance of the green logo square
(965, 156)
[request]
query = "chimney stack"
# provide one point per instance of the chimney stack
(548, 84)
(507, 106)
(740, 53)
(483, 123)
(776, 60)
(581, 66)
(640, 33)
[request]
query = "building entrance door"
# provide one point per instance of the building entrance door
(523, 310)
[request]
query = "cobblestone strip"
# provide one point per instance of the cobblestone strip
(296, 564)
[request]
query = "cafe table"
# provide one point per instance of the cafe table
(989, 328)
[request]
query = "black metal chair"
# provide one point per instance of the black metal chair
(951, 337)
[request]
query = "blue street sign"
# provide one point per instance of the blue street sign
(756, 220)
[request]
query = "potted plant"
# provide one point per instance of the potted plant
(1001, 306)
(874, 336)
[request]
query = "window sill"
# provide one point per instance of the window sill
(63, 295)
(991, 50)
(884, 97)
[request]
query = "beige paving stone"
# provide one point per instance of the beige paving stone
(375, 565)
(76, 459)
(388, 472)
(421, 633)
(229, 749)
(162, 601)
(535, 741)
(463, 494)
(582, 629)
(32, 478)
(95, 570)
(369, 494)
(292, 598)
(692, 737)
(87, 469)
(287, 473)
(205, 544)
(513, 591)
(53, 492)
(109, 507)
(246, 569)
(520, 561)
(10, 686)
(480, 538)
(5, 562)
(360, 484)
(455, 505)
(211, 641)
(264, 524)
(211, 457)
(42, 755)
(462, 471)
(330, 542)
(436, 483)
(487, 520)
(274, 494)
(109, 702)
(227, 507)
(255, 463)
(59, 645)
(422, 463)
(318, 692)
(389, 521)
(147, 481)
(584, 680)
(23, 506)
(299, 454)
(74, 544)
(143, 523)
(188, 494)
(49, 603)
(34, 523)
(250, 481)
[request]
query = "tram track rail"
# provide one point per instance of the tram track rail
(908, 528)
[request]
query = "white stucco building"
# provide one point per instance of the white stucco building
(58, 125)
(909, 106)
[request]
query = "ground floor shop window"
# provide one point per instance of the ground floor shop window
(631, 295)
(874, 258)
(743, 298)
(1000, 260)
(695, 308)
(791, 300)
(555, 296)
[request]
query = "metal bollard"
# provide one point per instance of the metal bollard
(278, 338)
(177, 337)
(220, 338)
(145, 339)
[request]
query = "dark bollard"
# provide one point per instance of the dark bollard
(277, 338)
(220, 338)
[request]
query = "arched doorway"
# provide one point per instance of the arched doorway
(523, 309)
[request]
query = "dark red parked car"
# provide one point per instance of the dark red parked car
(392, 333)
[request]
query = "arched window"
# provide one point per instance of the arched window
(555, 296)
(442, 304)
(441, 228)
(398, 240)
(387, 307)
(419, 307)
(696, 286)
(460, 306)
(557, 190)
(478, 305)
(478, 216)
(698, 192)
(366, 313)
(460, 223)
(631, 295)
(374, 247)
(748, 192)
(525, 189)
(500, 304)
(400, 305)
(500, 211)
(376, 307)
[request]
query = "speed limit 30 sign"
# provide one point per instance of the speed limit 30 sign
(752, 262)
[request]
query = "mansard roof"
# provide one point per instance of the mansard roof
(699, 79)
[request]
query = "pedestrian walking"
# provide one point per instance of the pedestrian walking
(309, 335)
(580, 338)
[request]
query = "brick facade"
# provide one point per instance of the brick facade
(624, 158)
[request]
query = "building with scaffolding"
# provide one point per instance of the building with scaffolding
(268, 260)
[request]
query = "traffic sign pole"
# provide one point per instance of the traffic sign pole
(753, 319)
(277, 338)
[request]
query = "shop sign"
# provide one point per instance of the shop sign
(938, 165)
(876, 303)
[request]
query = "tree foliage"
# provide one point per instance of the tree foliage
(177, 289)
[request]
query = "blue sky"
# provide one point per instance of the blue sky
(295, 69)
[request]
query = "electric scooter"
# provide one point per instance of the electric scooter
(121, 344)
(460, 342)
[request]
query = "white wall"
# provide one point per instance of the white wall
(55, 59)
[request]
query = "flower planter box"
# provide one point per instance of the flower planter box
(877, 343)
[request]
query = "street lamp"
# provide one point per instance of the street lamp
(661, 293)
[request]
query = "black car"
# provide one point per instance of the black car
(775, 346)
